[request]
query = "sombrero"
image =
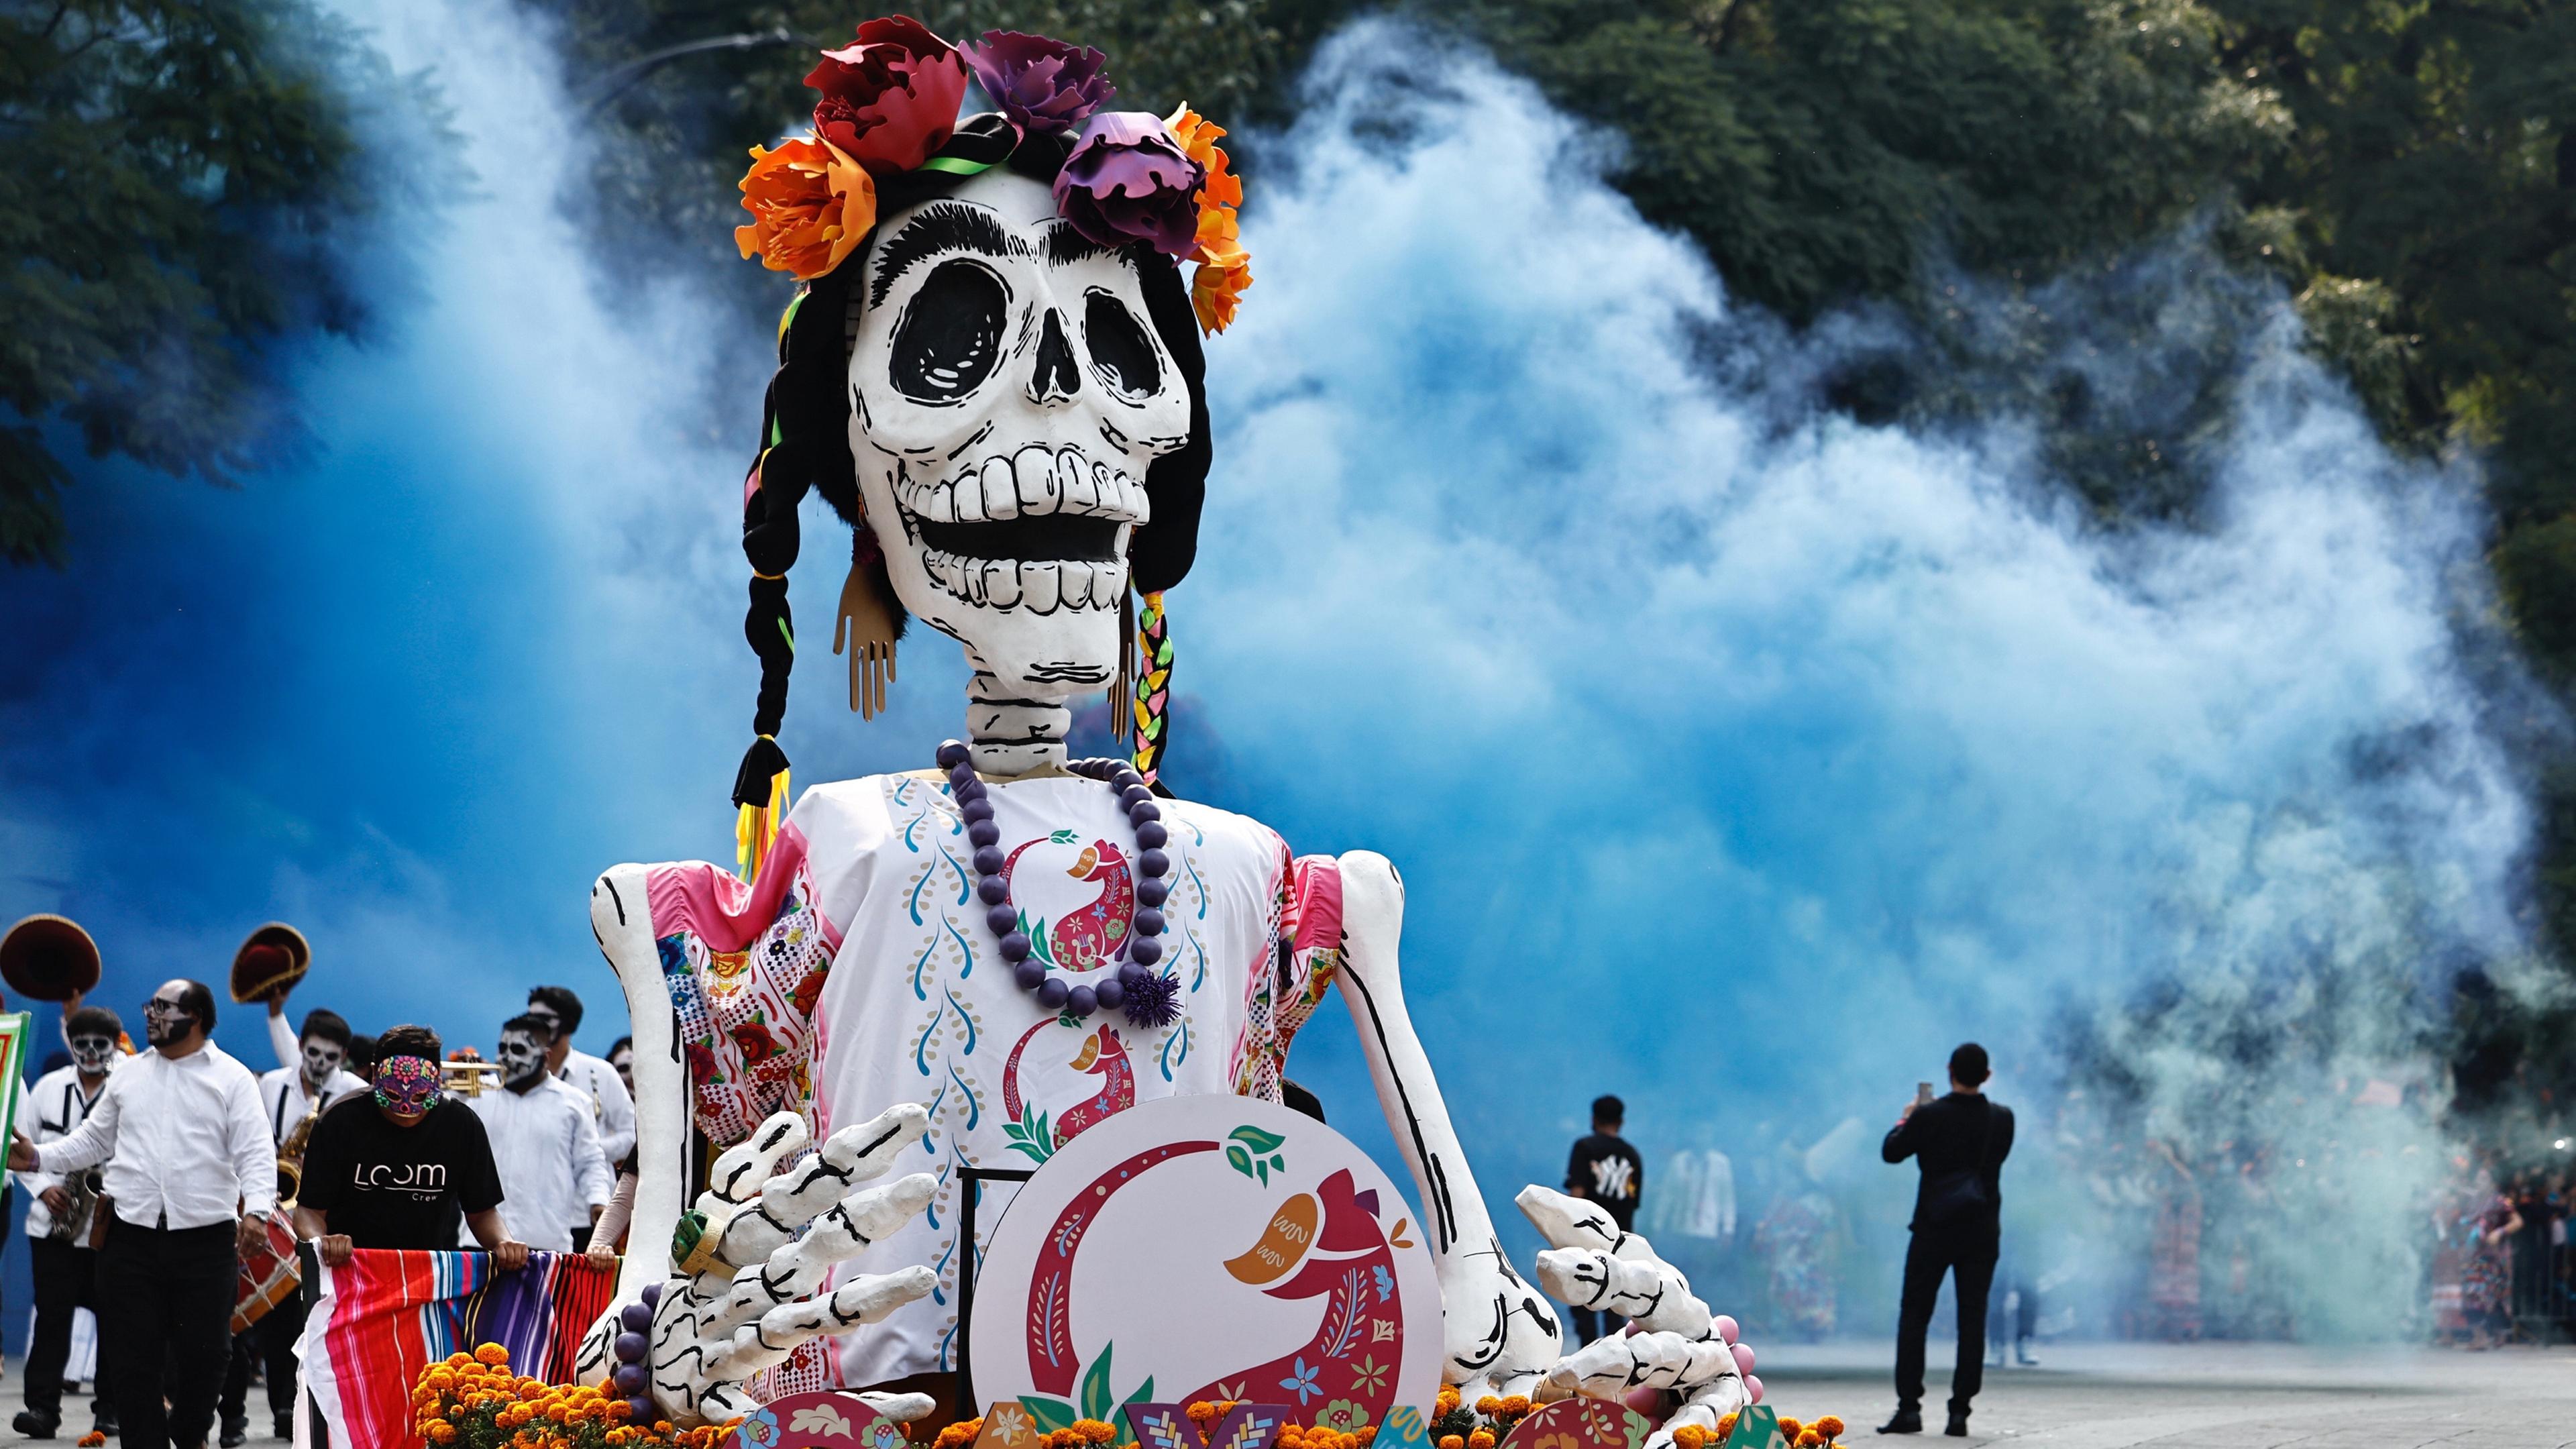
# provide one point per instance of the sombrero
(48, 958)
(272, 960)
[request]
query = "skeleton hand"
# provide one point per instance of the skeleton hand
(751, 1299)
(1679, 1345)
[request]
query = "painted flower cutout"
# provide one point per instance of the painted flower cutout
(1301, 1382)
(810, 205)
(1343, 1417)
(1127, 179)
(890, 99)
(1368, 1375)
(1041, 86)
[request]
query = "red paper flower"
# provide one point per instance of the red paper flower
(890, 100)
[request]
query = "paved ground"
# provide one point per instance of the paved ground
(2242, 1396)
(2109, 1396)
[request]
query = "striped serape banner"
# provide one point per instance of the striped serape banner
(383, 1317)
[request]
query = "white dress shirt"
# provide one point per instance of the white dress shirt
(548, 1155)
(612, 1110)
(284, 1102)
(47, 1112)
(189, 1147)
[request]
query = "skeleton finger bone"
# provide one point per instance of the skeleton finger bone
(756, 1346)
(1646, 1291)
(739, 1173)
(796, 1269)
(792, 1198)
(902, 1408)
(1611, 1366)
(1573, 1222)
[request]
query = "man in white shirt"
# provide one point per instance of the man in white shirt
(612, 1102)
(304, 1083)
(59, 1219)
(183, 1123)
(552, 1171)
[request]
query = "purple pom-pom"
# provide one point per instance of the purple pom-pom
(631, 1378)
(635, 1317)
(952, 753)
(1082, 1001)
(630, 1348)
(1154, 1003)
(1053, 993)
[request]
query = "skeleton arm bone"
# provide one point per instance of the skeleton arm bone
(1496, 1330)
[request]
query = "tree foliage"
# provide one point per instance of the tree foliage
(173, 177)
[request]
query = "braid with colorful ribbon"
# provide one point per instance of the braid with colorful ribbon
(1153, 685)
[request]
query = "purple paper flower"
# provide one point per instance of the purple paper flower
(1127, 179)
(1041, 86)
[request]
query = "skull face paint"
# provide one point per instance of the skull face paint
(93, 1054)
(522, 1056)
(1008, 394)
(321, 1060)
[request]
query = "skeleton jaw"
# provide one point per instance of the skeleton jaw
(1041, 529)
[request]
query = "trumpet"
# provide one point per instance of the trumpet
(463, 1076)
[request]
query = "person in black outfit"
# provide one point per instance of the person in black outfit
(1960, 1143)
(1605, 1169)
(401, 1166)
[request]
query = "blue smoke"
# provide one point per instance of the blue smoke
(1740, 758)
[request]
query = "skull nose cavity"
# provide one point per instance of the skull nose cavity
(1057, 379)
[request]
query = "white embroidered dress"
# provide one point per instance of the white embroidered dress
(861, 970)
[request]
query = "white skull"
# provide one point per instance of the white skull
(321, 1059)
(521, 1056)
(1008, 394)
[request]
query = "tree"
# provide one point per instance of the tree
(173, 180)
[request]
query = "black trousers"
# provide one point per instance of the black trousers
(66, 1279)
(272, 1341)
(1937, 1253)
(166, 1323)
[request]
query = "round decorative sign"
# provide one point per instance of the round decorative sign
(1207, 1248)
(819, 1419)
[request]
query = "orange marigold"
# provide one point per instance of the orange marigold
(810, 204)
(1810, 1439)
(92, 1440)
(1452, 1441)
(1481, 1439)
(1516, 1404)
(1789, 1428)
(1367, 1434)
(1095, 1431)
(1201, 1413)
(1689, 1436)
(492, 1353)
(1831, 1426)
(1725, 1425)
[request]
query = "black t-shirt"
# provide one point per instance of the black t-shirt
(389, 1186)
(1953, 1137)
(1610, 1173)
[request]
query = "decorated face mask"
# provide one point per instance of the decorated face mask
(321, 1059)
(522, 1057)
(93, 1054)
(407, 1085)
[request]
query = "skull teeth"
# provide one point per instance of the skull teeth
(1038, 586)
(1035, 481)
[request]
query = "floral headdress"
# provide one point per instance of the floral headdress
(889, 107)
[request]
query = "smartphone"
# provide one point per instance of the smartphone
(1922, 1094)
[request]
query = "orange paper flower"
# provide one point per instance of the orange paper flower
(1225, 270)
(810, 205)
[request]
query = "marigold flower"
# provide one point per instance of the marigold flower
(1446, 1399)
(1831, 1426)
(810, 203)
(1452, 1441)
(1201, 1412)
(1481, 1439)
(1689, 1436)
(92, 1440)
(1367, 1434)
(492, 1353)
(1789, 1428)
(1725, 1425)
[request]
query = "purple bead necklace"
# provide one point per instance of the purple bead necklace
(1150, 998)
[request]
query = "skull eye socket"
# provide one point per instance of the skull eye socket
(1121, 353)
(951, 333)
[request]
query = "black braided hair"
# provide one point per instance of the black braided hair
(805, 435)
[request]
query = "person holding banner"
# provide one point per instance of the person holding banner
(400, 1166)
(183, 1124)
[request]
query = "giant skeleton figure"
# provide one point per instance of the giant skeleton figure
(1024, 420)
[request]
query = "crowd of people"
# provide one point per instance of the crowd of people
(155, 1174)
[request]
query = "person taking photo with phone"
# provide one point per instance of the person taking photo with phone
(1959, 1142)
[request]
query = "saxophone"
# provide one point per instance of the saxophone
(72, 1224)
(290, 1158)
